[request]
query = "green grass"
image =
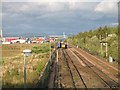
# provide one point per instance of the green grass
(40, 67)
(43, 48)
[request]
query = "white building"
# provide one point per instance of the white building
(6, 42)
(18, 41)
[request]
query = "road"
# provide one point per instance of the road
(76, 68)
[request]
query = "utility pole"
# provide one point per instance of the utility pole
(24, 72)
(101, 41)
(77, 43)
(26, 54)
(106, 46)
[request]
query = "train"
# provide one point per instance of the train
(62, 44)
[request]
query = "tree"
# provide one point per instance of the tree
(99, 32)
(90, 34)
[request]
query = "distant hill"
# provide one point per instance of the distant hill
(25, 35)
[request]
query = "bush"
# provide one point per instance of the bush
(43, 48)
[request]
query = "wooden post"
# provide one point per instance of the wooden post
(50, 52)
(57, 56)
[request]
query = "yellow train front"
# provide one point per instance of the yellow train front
(64, 45)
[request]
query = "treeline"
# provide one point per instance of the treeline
(91, 41)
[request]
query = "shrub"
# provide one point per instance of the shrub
(44, 48)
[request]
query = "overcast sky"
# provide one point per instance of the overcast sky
(50, 17)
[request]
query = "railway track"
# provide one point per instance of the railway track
(96, 60)
(68, 75)
(64, 75)
(70, 70)
(105, 78)
(75, 71)
(75, 74)
(104, 66)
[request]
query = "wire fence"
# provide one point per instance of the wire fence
(44, 78)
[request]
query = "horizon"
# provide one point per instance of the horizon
(43, 34)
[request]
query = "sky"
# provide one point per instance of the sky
(55, 17)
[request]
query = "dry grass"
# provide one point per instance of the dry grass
(12, 69)
(15, 49)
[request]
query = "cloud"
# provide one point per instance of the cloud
(45, 8)
(52, 17)
(107, 6)
(51, 0)
(82, 5)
